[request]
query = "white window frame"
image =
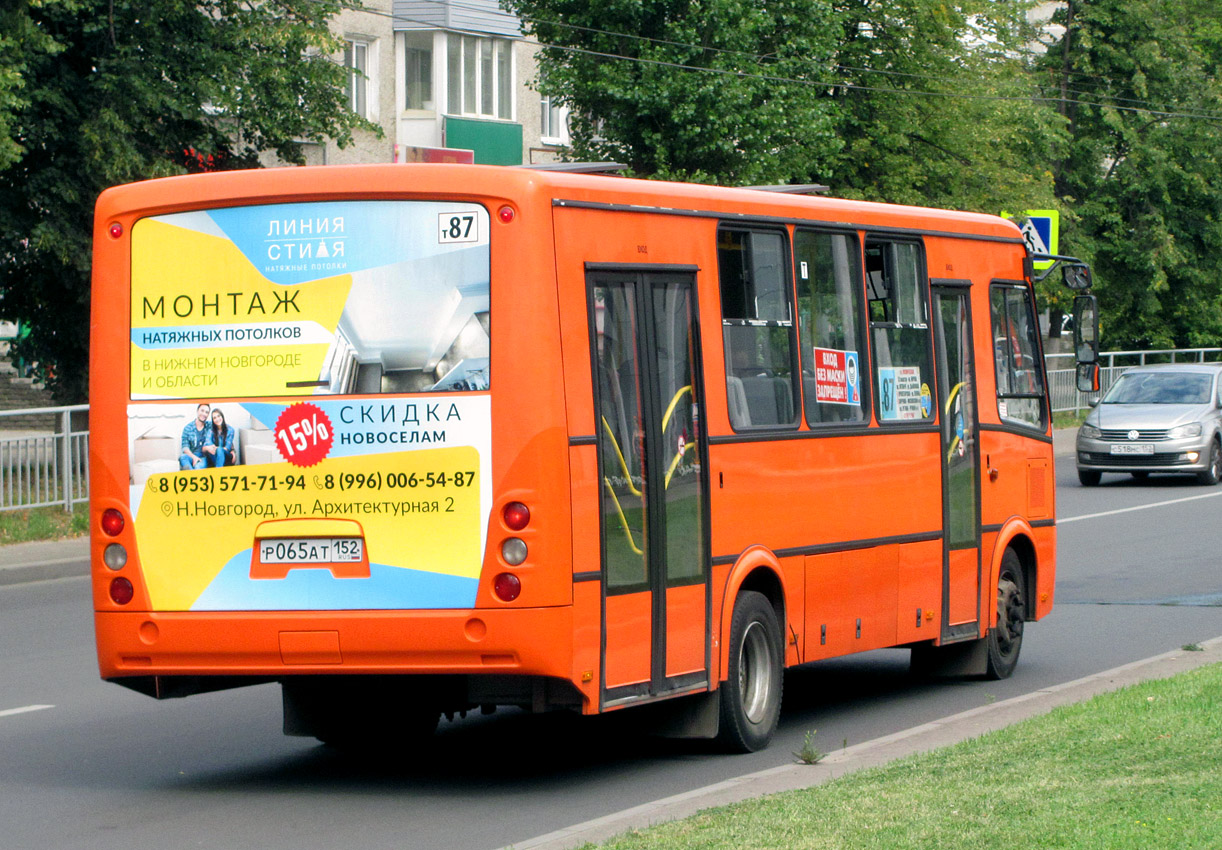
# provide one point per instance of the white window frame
(436, 89)
(482, 62)
(554, 122)
(356, 46)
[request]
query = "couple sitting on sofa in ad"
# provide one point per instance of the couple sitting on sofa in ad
(207, 441)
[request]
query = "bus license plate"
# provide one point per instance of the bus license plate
(312, 550)
(1133, 449)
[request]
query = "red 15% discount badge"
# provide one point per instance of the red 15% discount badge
(304, 434)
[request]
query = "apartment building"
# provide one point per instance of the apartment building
(446, 80)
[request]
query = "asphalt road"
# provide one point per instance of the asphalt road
(85, 764)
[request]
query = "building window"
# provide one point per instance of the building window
(479, 76)
(356, 59)
(554, 124)
(418, 70)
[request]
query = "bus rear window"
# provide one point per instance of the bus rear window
(329, 298)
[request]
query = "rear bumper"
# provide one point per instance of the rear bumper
(535, 642)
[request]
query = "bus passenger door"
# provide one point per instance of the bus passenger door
(960, 463)
(655, 572)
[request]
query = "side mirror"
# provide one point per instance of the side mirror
(1086, 328)
(1076, 276)
(1088, 378)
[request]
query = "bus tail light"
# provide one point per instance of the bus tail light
(121, 591)
(507, 586)
(112, 522)
(516, 515)
(513, 550)
(115, 556)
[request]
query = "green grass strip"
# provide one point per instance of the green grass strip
(25, 526)
(1138, 768)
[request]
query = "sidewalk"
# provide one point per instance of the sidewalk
(23, 562)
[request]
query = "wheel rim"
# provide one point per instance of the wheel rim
(1215, 461)
(754, 679)
(1010, 615)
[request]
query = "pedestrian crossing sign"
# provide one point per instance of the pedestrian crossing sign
(1041, 231)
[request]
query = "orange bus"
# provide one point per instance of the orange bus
(729, 431)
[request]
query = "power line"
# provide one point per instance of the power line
(1055, 98)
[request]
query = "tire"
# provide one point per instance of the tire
(1089, 477)
(751, 695)
(1005, 639)
(1140, 476)
(1211, 475)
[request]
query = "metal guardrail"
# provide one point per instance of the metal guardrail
(1062, 383)
(40, 468)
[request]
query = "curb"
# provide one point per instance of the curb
(21, 563)
(919, 739)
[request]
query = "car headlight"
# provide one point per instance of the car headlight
(1090, 431)
(1193, 429)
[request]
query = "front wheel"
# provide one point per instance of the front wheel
(751, 696)
(1089, 477)
(1212, 473)
(1005, 639)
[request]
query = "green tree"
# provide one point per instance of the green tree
(99, 92)
(1143, 172)
(704, 90)
(938, 107)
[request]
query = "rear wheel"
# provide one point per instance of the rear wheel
(751, 695)
(1089, 477)
(1213, 472)
(1005, 639)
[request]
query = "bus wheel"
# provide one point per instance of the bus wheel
(1006, 638)
(751, 695)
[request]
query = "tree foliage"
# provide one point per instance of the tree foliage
(704, 90)
(99, 92)
(1143, 172)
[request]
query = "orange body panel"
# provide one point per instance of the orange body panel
(846, 525)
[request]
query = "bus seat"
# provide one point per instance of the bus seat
(736, 398)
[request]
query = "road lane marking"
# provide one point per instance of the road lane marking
(1064, 520)
(8, 712)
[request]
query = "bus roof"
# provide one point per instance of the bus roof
(385, 181)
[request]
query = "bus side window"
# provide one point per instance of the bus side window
(1016, 356)
(899, 326)
(831, 327)
(757, 327)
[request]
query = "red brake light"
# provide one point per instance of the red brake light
(516, 515)
(506, 586)
(112, 522)
(121, 591)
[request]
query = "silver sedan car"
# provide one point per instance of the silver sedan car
(1156, 419)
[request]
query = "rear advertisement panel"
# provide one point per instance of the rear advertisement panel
(310, 425)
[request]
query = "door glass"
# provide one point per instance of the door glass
(679, 451)
(621, 439)
(958, 420)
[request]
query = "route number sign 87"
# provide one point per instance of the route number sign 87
(457, 227)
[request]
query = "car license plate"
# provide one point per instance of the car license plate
(312, 550)
(1133, 449)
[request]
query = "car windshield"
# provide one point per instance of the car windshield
(1159, 388)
